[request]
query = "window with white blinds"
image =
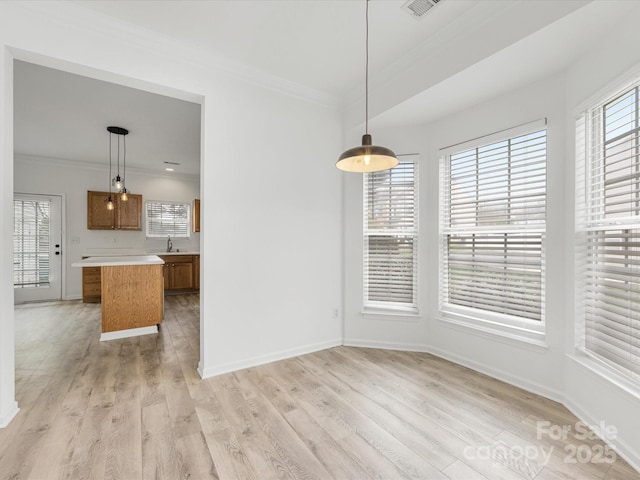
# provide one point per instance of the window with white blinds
(391, 236)
(171, 219)
(31, 242)
(492, 227)
(608, 224)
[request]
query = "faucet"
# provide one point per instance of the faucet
(169, 244)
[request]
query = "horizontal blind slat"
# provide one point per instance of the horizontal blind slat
(501, 186)
(390, 235)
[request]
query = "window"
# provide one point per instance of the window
(168, 219)
(31, 242)
(492, 228)
(391, 236)
(608, 224)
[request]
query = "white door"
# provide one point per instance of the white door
(37, 247)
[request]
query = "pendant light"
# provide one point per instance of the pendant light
(117, 182)
(367, 157)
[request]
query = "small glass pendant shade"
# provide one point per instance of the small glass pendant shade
(117, 182)
(124, 196)
(367, 158)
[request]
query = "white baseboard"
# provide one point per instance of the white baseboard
(407, 347)
(630, 454)
(532, 387)
(9, 415)
(212, 371)
(130, 332)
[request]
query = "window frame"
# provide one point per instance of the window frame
(172, 234)
(593, 223)
(387, 307)
(493, 323)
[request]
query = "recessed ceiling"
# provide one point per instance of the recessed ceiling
(315, 43)
(459, 53)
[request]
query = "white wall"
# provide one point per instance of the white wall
(271, 196)
(556, 371)
(71, 180)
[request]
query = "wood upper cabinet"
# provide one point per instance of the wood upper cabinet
(195, 215)
(129, 213)
(98, 217)
(124, 216)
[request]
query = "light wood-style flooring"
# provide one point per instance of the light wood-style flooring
(137, 409)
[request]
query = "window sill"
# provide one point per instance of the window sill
(394, 314)
(496, 331)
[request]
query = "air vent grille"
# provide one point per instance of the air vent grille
(418, 8)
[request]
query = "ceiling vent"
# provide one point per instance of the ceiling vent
(418, 8)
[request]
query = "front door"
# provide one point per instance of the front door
(37, 252)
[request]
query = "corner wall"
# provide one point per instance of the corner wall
(556, 371)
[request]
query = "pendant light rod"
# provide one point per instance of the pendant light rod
(118, 156)
(110, 163)
(366, 72)
(367, 157)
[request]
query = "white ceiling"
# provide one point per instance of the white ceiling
(65, 116)
(418, 68)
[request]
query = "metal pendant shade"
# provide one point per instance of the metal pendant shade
(367, 157)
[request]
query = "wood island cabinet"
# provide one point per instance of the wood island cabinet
(126, 215)
(91, 285)
(181, 274)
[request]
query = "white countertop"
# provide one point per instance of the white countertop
(115, 261)
(122, 252)
(173, 252)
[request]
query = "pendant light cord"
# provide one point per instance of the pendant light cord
(366, 75)
(118, 155)
(110, 135)
(124, 160)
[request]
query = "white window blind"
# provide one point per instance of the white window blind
(391, 235)
(168, 219)
(492, 224)
(31, 242)
(608, 224)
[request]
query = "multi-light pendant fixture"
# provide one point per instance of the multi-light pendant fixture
(117, 182)
(367, 157)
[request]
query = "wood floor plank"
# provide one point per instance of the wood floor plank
(159, 455)
(136, 408)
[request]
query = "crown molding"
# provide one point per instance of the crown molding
(67, 14)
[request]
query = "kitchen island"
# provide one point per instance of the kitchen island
(132, 294)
